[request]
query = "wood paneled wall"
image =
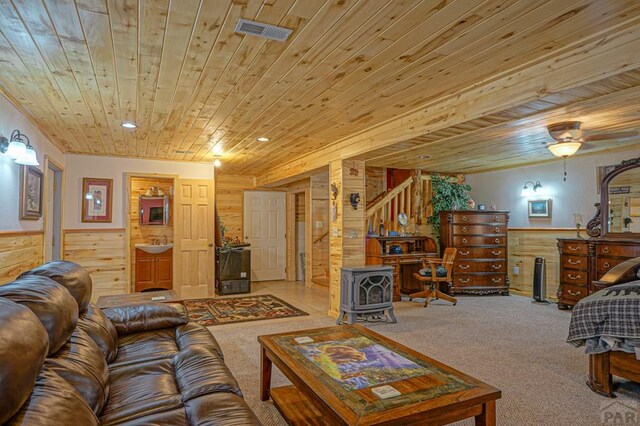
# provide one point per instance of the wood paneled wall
(525, 244)
(147, 233)
(103, 253)
(320, 235)
(230, 201)
(347, 231)
(375, 182)
(19, 252)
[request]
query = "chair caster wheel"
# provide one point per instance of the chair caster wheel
(454, 304)
(410, 299)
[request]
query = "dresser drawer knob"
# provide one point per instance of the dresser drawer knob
(496, 280)
(465, 253)
(572, 248)
(606, 265)
(496, 252)
(605, 250)
(574, 277)
(496, 266)
(574, 293)
(497, 240)
(463, 280)
(496, 218)
(464, 218)
(463, 266)
(574, 262)
(464, 241)
(497, 229)
(464, 229)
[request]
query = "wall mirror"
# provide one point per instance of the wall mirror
(154, 210)
(619, 214)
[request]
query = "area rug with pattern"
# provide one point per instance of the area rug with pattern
(216, 311)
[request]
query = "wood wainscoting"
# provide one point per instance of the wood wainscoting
(19, 252)
(103, 253)
(525, 244)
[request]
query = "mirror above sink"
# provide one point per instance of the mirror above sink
(154, 210)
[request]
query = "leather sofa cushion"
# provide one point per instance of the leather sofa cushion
(141, 389)
(146, 317)
(193, 334)
(54, 306)
(220, 408)
(200, 371)
(159, 344)
(81, 363)
(54, 401)
(213, 409)
(144, 389)
(101, 330)
(71, 276)
(23, 347)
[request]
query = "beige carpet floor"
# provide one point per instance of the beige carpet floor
(508, 342)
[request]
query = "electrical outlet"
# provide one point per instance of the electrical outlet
(334, 232)
(516, 270)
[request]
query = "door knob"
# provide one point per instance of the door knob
(210, 244)
(246, 238)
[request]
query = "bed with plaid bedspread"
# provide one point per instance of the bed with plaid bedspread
(608, 320)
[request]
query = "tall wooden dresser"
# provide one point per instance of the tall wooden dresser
(585, 261)
(481, 239)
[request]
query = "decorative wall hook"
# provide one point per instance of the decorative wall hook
(354, 198)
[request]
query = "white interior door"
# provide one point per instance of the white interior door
(264, 229)
(48, 231)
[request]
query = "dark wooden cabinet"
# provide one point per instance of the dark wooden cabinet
(481, 239)
(154, 271)
(584, 261)
(404, 265)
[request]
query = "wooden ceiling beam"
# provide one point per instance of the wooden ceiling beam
(599, 58)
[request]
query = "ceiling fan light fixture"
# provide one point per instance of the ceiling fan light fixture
(262, 139)
(129, 125)
(564, 149)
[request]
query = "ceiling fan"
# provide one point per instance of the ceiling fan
(570, 137)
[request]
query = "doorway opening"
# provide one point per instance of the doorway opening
(264, 228)
(53, 216)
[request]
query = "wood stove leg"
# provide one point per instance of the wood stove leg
(352, 318)
(340, 317)
(600, 380)
(265, 377)
(392, 315)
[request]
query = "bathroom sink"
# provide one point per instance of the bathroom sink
(154, 249)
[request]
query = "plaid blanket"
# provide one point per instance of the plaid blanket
(607, 320)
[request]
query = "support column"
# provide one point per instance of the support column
(347, 225)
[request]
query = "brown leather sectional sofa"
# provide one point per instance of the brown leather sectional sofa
(64, 362)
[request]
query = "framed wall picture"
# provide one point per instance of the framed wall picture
(30, 193)
(539, 208)
(97, 195)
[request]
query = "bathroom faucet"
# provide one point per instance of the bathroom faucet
(164, 240)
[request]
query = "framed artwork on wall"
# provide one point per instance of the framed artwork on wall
(30, 193)
(97, 195)
(539, 208)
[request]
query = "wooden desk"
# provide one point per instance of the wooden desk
(404, 265)
(432, 393)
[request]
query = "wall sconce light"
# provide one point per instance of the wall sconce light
(16, 149)
(217, 162)
(526, 191)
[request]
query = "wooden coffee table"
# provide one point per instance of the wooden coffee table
(337, 373)
(169, 296)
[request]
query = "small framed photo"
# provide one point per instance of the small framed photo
(30, 193)
(97, 195)
(539, 208)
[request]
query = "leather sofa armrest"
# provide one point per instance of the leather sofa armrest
(146, 316)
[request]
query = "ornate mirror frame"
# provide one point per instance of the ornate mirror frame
(597, 226)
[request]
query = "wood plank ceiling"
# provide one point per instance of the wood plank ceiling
(178, 70)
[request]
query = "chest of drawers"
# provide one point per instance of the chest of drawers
(480, 266)
(585, 261)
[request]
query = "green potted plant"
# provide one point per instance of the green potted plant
(447, 194)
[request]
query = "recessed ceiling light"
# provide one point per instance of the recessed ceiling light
(262, 139)
(424, 157)
(129, 125)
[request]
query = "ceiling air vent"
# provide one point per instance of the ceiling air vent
(259, 29)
